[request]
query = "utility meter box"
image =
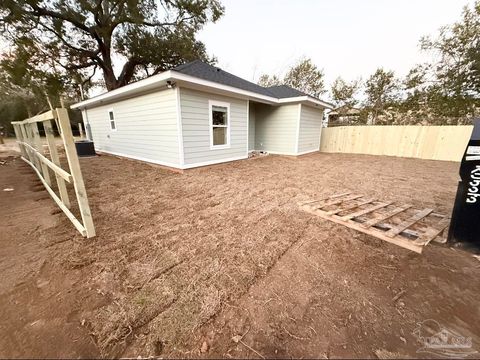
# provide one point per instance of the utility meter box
(465, 223)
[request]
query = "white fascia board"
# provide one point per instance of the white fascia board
(306, 99)
(156, 80)
(251, 95)
(125, 90)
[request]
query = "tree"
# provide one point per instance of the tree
(27, 76)
(343, 93)
(426, 101)
(266, 80)
(148, 36)
(458, 50)
(448, 90)
(306, 77)
(16, 102)
(26, 84)
(381, 89)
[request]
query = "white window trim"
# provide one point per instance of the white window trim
(211, 104)
(110, 121)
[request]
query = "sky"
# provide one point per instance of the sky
(347, 38)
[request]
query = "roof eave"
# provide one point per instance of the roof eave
(154, 81)
(307, 99)
(130, 89)
(189, 79)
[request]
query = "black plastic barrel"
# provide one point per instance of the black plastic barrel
(465, 223)
(85, 148)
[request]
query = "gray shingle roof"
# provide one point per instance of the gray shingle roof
(285, 91)
(208, 72)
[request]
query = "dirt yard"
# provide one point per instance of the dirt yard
(221, 262)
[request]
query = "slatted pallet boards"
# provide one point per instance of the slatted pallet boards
(402, 225)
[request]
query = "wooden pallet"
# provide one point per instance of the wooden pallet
(401, 225)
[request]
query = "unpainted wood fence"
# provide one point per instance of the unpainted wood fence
(423, 142)
(31, 147)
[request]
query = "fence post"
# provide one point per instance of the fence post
(52, 147)
(39, 147)
(19, 137)
(74, 165)
(26, 135)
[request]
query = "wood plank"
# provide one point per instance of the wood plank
(339, 201)
(349, 207)
(346, 208)
(33, 142)
(386, 216)
(408, 222)
(54, 196)
(56, 169)
(19, 136)
(432, 233)
(406, 232)
(365, 211)
(323, 199)
(23, 130)
(74, 165)
(407, 244)
(40, 151)
(425, 142)
(49, 115)
(52, 147)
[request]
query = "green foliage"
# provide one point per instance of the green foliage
(266, 80)
(77, 37)
(306, 77)
(458, 49)
(12, 110)
(445, 91)
(303, 76)
(382, 91)
(25, 74)
(344, 93)
(448, 90)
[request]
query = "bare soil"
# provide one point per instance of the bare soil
(221, 262)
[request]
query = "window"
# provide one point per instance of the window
(111, 117)
(219, 125)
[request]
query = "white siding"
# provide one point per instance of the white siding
(251, 127)
(194, 109)
(276, 128)
(146, 128)
(310, 129)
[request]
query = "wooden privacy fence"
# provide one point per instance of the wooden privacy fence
(31, 147)
(423, 142)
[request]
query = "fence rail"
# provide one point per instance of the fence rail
(423, 142)
(31, 147)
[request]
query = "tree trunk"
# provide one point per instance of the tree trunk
(111, 82)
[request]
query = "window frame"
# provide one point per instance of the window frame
(110, 120)
(211, 104)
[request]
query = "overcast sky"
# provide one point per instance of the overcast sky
(348, 38)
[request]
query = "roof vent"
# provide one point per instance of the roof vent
(218, 69)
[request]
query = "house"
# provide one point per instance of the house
(197, 114)
(344, 115)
